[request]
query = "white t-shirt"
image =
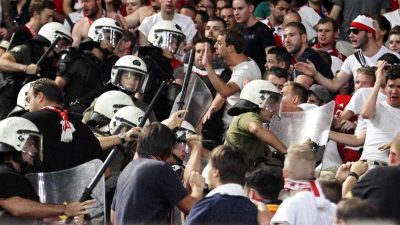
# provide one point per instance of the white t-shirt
(381, 129)
(336, 64)
(356, 103)
(242, 74)
(185, 22)
(393, 17)
(304, 208)
(351, 64)
(309, 18)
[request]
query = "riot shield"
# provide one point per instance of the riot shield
(297, 127)
(68, 185)
(197, 100)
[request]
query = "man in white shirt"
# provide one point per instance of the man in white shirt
(361, 34)
(383, 117)
(393, 16)
(167, 12)
(230, 46)
(305, 203)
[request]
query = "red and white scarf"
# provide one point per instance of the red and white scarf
(295, 185)
(67, 128)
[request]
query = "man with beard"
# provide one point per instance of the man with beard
(361, 34)
(295, 41)
(19, 64)
(20, 146)
(92, 10)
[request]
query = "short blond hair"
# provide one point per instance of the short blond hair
(300, 162)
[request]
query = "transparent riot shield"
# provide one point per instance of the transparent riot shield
(197, 100)
(68, 185)
(297, 127)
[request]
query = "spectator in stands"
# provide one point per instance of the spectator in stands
(275, 20)
(361, 33)
(188, 10)
(258, 36)
(227, 15)
(354, 209)
(393, 17)
(295, 41)
(394, 39)
(227, 178)
(382, 27)
(293, 95)
(278, 57)
(305, 203)
(41, 12)
(327, 33)
(264, 185)
(149, 197)
(352, 9)
(220, 4)
(277, 76)
(92, 10)
(167, 12)
(214, 27)
(207, 6)
(230, 46)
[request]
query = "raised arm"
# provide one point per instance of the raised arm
(332, 84)
(369, 107)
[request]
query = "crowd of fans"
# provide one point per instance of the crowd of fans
(81, 77)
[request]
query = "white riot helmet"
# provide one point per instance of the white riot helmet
(22, 103)
(166, 34)
(20, 134)
(105, 29)
(51, 31)
(107, 105)
(257, 94)
(185, 129)
(125, 119)
(129, 74)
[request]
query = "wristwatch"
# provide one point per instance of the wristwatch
(122, 138)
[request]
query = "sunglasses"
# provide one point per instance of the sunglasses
(354, 31)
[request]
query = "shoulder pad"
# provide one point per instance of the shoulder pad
(66, 58)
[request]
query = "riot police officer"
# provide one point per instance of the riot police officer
(20, 145)
(82, 73)
(19, 64)
(166, 39)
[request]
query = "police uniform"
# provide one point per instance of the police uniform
(86, 76)
(159, 69)
(27, 53)
(14, 184)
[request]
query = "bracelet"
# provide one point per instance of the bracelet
(26, 68)
(353, 174)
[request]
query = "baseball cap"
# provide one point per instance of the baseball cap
(364, 22)
(321, 92)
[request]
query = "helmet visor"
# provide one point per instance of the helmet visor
(130, 80)
(171, 41)
(109, 35)
(121, 126)
(64, 42)
(32, 147)
(272, 103)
